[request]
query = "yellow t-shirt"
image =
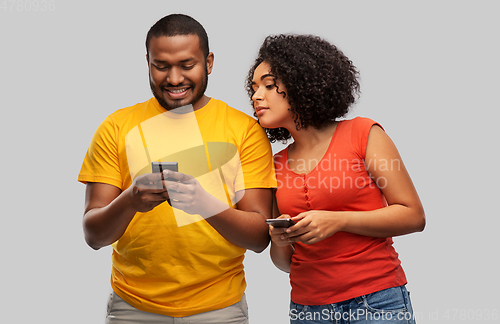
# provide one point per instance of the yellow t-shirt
(168, 262)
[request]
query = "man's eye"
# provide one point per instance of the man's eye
(188, 67)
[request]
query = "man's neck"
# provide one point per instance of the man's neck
(201, 103)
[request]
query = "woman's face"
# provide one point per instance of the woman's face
(272, 108)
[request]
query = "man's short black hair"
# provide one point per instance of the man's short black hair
(178, 24)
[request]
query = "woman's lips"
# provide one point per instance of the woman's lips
(260, 110)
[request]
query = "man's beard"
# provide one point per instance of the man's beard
(177, 103)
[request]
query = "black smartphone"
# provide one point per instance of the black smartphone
(280, 222)
(160, 166)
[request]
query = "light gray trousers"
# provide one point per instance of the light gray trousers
(120, 312)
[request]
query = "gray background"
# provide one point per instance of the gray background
(429, 75)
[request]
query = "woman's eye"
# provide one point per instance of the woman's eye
(270, 86)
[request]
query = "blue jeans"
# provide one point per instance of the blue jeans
(391, 305)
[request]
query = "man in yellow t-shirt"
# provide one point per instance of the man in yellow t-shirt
(178, 238)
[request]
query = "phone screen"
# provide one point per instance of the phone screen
(160, 166)
(280, 222)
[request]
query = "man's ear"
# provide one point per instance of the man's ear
(210, 62)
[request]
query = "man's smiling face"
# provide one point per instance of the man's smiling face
(178, 71)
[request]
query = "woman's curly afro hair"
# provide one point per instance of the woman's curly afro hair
(321, 82)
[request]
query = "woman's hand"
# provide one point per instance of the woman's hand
(313, 226)
(278, 234)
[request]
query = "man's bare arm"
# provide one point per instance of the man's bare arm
(244, 226)
(108, 210)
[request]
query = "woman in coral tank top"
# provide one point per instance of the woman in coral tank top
(342, 182)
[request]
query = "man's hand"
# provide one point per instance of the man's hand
(243, 226)
(148, 191)
(108, 210)
(187, 194)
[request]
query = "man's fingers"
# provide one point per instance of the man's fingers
(148, 181)
(176, 176)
